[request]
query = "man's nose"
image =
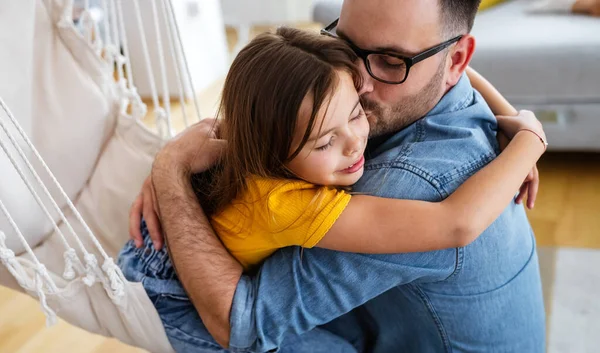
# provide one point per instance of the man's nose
(367, 80)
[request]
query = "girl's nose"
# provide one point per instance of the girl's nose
(353, 146)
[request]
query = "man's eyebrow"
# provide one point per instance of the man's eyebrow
(389, 49)
(333, 128)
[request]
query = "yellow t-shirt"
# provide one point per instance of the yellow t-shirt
(273, 214)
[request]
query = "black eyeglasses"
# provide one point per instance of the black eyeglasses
(389, 67)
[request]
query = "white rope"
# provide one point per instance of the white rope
(149, 72)
(45, 166)
(119, 60)
(73, 260)
(87, 25)
(115, 277)
(42, 278)
(124, 43)
(90, 28)
(163, 72)
(109, 47)
(70, 257)
(138, 107)
(30, 187)
(187, 67)
(91, 263)
(19, 234)
(38, 179)
(88, 231)
(176, 60)
(107, 38)
(8, 259)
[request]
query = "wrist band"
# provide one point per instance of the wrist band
(538, 135)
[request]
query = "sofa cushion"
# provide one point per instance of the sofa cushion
(538, 58)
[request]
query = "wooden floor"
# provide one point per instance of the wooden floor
(567, 212)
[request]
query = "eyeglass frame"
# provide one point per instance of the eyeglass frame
(408, 61)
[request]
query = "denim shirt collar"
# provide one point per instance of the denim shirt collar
(455, 99)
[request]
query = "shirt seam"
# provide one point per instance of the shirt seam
(461, 104)
(434, 316)
(438, 187)
(413, 169)
(476, 164)
(327, 222)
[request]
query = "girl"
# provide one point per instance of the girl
(296, 136)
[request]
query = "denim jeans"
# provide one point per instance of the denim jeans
(183, 326)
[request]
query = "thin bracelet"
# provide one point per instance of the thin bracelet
(538, 135)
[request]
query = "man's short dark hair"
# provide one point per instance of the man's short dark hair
(458, 15)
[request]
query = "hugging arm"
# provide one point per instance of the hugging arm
(210, 275)
(500, 106)
(207, 271)
(298, 289)
(395, 226)
(496, 101)
(292, 293)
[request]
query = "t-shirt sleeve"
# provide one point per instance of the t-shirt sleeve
(299, 213)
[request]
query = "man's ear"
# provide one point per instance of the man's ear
(460, 57)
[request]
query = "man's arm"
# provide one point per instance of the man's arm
(207, 271)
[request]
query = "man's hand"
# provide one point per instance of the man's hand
(195, 149)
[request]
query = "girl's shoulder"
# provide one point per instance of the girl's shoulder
(269, 186)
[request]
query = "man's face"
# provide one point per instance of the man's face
(405, 27)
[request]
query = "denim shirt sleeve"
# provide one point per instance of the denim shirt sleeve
(295, 290)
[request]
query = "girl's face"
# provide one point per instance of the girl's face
(334, 153)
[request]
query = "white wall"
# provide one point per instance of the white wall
(237, 12)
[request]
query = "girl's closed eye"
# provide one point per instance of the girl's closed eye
(360, 114)
(326, 146)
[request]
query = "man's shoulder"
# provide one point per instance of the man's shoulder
(441, 152)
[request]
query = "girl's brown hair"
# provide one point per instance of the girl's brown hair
(260, 105)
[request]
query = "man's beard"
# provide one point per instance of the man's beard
(407, 110)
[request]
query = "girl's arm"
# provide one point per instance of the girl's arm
(497, 103)
(378, 225)
(500, 106)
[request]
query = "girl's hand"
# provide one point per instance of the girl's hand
(509, 126)
(526, 120)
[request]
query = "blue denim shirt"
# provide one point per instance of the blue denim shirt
(485, 297)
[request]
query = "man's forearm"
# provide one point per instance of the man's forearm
(207, 271)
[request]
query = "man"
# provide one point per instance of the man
(431, 132)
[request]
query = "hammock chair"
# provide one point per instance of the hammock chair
(64, 198)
